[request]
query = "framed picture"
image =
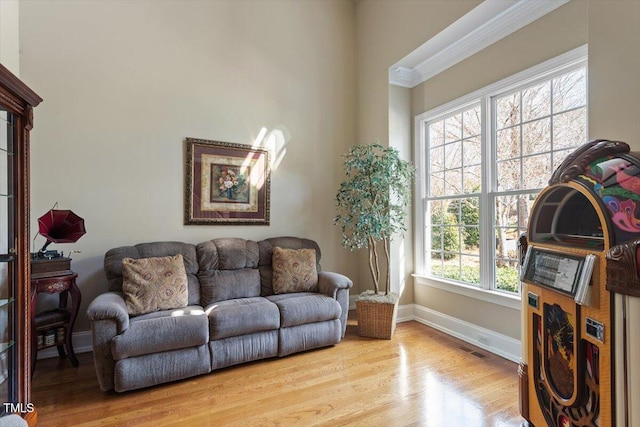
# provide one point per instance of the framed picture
(226, 183)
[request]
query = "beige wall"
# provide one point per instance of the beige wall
(386, 31)
(9, 36)
(614, 70)
(124, 82)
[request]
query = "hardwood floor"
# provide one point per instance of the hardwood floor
(421, 377)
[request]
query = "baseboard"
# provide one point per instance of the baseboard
(81, 344)
(501, 345)
(493, 342)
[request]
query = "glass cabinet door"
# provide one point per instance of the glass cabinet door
(7, 259)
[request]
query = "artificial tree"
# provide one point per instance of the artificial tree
(372, 202)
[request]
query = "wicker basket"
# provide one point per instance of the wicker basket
(376, 319)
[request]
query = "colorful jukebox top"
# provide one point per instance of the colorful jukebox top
(583, 238)
(565, 216)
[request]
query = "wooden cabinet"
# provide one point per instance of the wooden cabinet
(55, 327)
(16, 120)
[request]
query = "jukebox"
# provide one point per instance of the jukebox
(581, 305)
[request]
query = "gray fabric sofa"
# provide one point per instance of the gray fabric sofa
(243, 320)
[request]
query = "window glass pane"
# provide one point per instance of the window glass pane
(525, 203)
(470, 269)
(508, 143)
(570, 90)
(536, 102)
(451, 271)
(472, 179)
(536, 136)
(507, 277)
(470, 220)
(506, 208)
(570, 129)
(506, 244)
(436, 238)
(536, 170)
(471, 122)
(436, 159)
(453, 128)
(508, 177)
(436, 265)
(453, 155)
(436, 133)
(434, 208)
(508, 111)
(559, 156)
(453, 182)
(472, 148)
(436, 184)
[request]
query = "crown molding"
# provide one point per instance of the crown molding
(483, 26)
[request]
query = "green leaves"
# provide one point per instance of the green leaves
(372, 201)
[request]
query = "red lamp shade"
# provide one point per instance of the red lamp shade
(60, 226)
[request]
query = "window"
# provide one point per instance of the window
(483, 160)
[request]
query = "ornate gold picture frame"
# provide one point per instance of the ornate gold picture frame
(226, 183)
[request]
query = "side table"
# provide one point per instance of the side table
(54, 327)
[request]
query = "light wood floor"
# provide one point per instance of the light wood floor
(421, 377)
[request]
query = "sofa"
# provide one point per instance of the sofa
(237, 306)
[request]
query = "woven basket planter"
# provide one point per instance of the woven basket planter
(376, 319)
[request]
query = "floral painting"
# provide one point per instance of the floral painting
(231, 183)
(226, 183)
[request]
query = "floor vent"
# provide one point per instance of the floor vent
(472, 351)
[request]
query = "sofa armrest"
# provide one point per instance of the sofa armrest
(330, 283)
(110, 306)
(109, 318)
(336, 286)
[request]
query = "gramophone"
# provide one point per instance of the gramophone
(57, 226)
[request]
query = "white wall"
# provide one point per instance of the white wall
(124, 82)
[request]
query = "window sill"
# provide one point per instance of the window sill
(493, 297)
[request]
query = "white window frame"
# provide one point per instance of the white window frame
(566, 62)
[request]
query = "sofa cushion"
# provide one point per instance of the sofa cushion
(266, 248)
(113, 262)
(162, 331)
(221, 285)
(305, 307)
(294, 270)
(152, 284)
(241, 316)
(227, 254)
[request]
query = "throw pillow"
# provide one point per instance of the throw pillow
(152, 284)
(294, 270)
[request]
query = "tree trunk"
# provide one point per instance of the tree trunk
(385, 242)
(374, 265)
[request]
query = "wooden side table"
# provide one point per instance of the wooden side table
(54, 327)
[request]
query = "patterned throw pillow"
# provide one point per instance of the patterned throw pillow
(294, 270)
(152, 284)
